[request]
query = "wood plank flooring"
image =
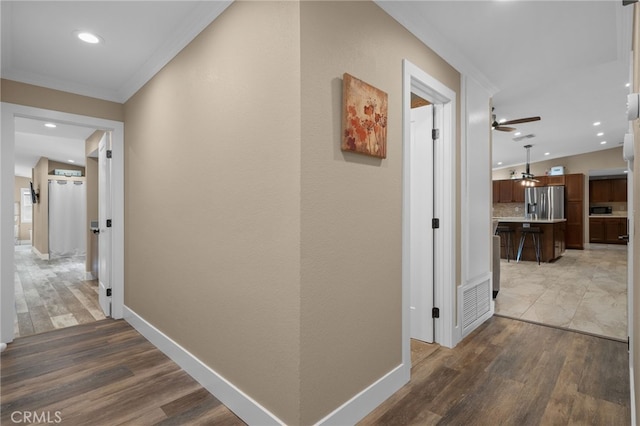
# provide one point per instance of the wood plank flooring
(511, 372)
(104, 373)
(507, 372)
(52, 294)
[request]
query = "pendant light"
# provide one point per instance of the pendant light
(527, 178)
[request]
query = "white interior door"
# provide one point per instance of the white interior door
(630, 232)
(104, 218)
(421, 232)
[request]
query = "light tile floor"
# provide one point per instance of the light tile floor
(52, 294)
(584, 290)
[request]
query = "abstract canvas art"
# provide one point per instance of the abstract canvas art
(364, 118)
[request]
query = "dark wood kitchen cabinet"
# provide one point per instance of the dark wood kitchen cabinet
(574, 210)
(606, 230)
(608, 190)
(506, 191)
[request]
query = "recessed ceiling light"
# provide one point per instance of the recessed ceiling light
(88, 37)
(517, 133)
(603, 142)
(626, 171)
(600, 134)
(71, 161)
(547, 153)
(499, 163)
(50, 125)
(597, 123)
(627, 85)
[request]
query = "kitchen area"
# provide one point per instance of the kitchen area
(570, 272)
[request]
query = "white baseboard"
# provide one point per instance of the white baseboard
(88, 276)
(366, 401)
(243, 405)
(632, 394)
(237, 401)
(40, 255)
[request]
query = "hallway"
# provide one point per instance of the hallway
(506, 372)
(52, 294)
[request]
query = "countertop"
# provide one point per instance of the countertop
(523, 220)
(620, 214)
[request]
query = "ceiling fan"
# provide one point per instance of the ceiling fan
(503, 126)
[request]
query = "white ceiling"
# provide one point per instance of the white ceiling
(566, 61)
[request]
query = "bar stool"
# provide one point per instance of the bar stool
(535, 237)
(505, 232)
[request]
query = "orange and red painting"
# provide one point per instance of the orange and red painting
(364, 118)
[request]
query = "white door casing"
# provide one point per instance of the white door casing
(420, 215)
(446, 331)
(104, 215)
(7, 148)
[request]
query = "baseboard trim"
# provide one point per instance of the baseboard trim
(632, 394)
(88, 276)
(237, 401)
(366, 401)
(40, 255)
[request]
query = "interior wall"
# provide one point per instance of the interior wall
(41, 208)
(25, 227)
(635, 338)
(582, 163)
(213, 141)
(56, 100)
(91, 173)
(57, 165)
(351, 204)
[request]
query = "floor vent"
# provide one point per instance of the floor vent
(476, 303)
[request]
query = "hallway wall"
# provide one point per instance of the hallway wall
(213, 144)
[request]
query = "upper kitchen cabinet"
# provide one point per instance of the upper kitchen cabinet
(608, 190)
(558, 180)
(508, 191)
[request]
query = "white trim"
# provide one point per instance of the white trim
(446, 332)
(7, 151)
(632, 393)
(237, 401)
(41, 256)
(366, 401)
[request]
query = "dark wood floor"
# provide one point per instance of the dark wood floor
(510, 372)
(507, 372)
(103, 373)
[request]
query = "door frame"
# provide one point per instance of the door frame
(7, 159)
(444, 100)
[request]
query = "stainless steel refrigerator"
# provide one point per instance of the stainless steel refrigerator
(545, 202)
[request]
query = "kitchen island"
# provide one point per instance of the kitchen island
(552, 238)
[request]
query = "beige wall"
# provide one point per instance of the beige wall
(351, 204)
(582, 163)
(41, 97)
(213, 142)
(25, 227)
(41, 209)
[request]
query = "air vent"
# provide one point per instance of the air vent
(521, 138)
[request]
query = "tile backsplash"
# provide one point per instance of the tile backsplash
(508, 209)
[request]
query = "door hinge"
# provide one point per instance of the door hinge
(435, 313)
(435, 223)
(108, 292)
(109, 153)
(108, 223)
(435, 134)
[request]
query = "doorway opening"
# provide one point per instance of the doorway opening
(7, 254)
(428, 213)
